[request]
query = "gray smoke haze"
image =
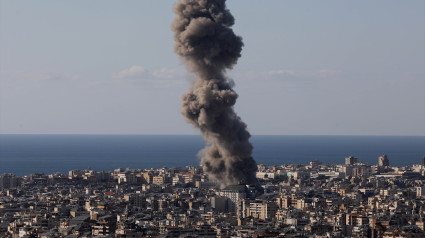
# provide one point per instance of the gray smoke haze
(207, 44)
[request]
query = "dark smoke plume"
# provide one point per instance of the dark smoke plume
(207, 44)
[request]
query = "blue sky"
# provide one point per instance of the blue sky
(307, 67)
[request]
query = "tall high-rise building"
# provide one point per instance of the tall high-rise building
(9, 181)
(423, 161)
(383, 161)
(235, 194)
(350, 160)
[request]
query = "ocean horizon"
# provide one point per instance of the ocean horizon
(24, 154)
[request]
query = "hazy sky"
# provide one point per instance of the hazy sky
(307, 67)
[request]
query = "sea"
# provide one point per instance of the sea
(27, 154)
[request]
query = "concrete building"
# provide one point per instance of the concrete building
(191, 178)
(350, 160)
(219, 203)
(383, 161)
(127, 177)
(148, 177)
(160, 179)
(259, 209)
(9, 181)
(420, 191)
(235, 193)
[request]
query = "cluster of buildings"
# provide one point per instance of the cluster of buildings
(353, 199)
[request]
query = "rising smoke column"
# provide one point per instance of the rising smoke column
(207, 44)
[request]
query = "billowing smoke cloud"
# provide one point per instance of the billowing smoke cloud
(208, 45)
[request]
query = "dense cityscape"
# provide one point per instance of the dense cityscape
(353, 199)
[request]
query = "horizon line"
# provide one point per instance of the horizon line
(133, 134)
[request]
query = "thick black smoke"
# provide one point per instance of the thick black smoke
(207, 44)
